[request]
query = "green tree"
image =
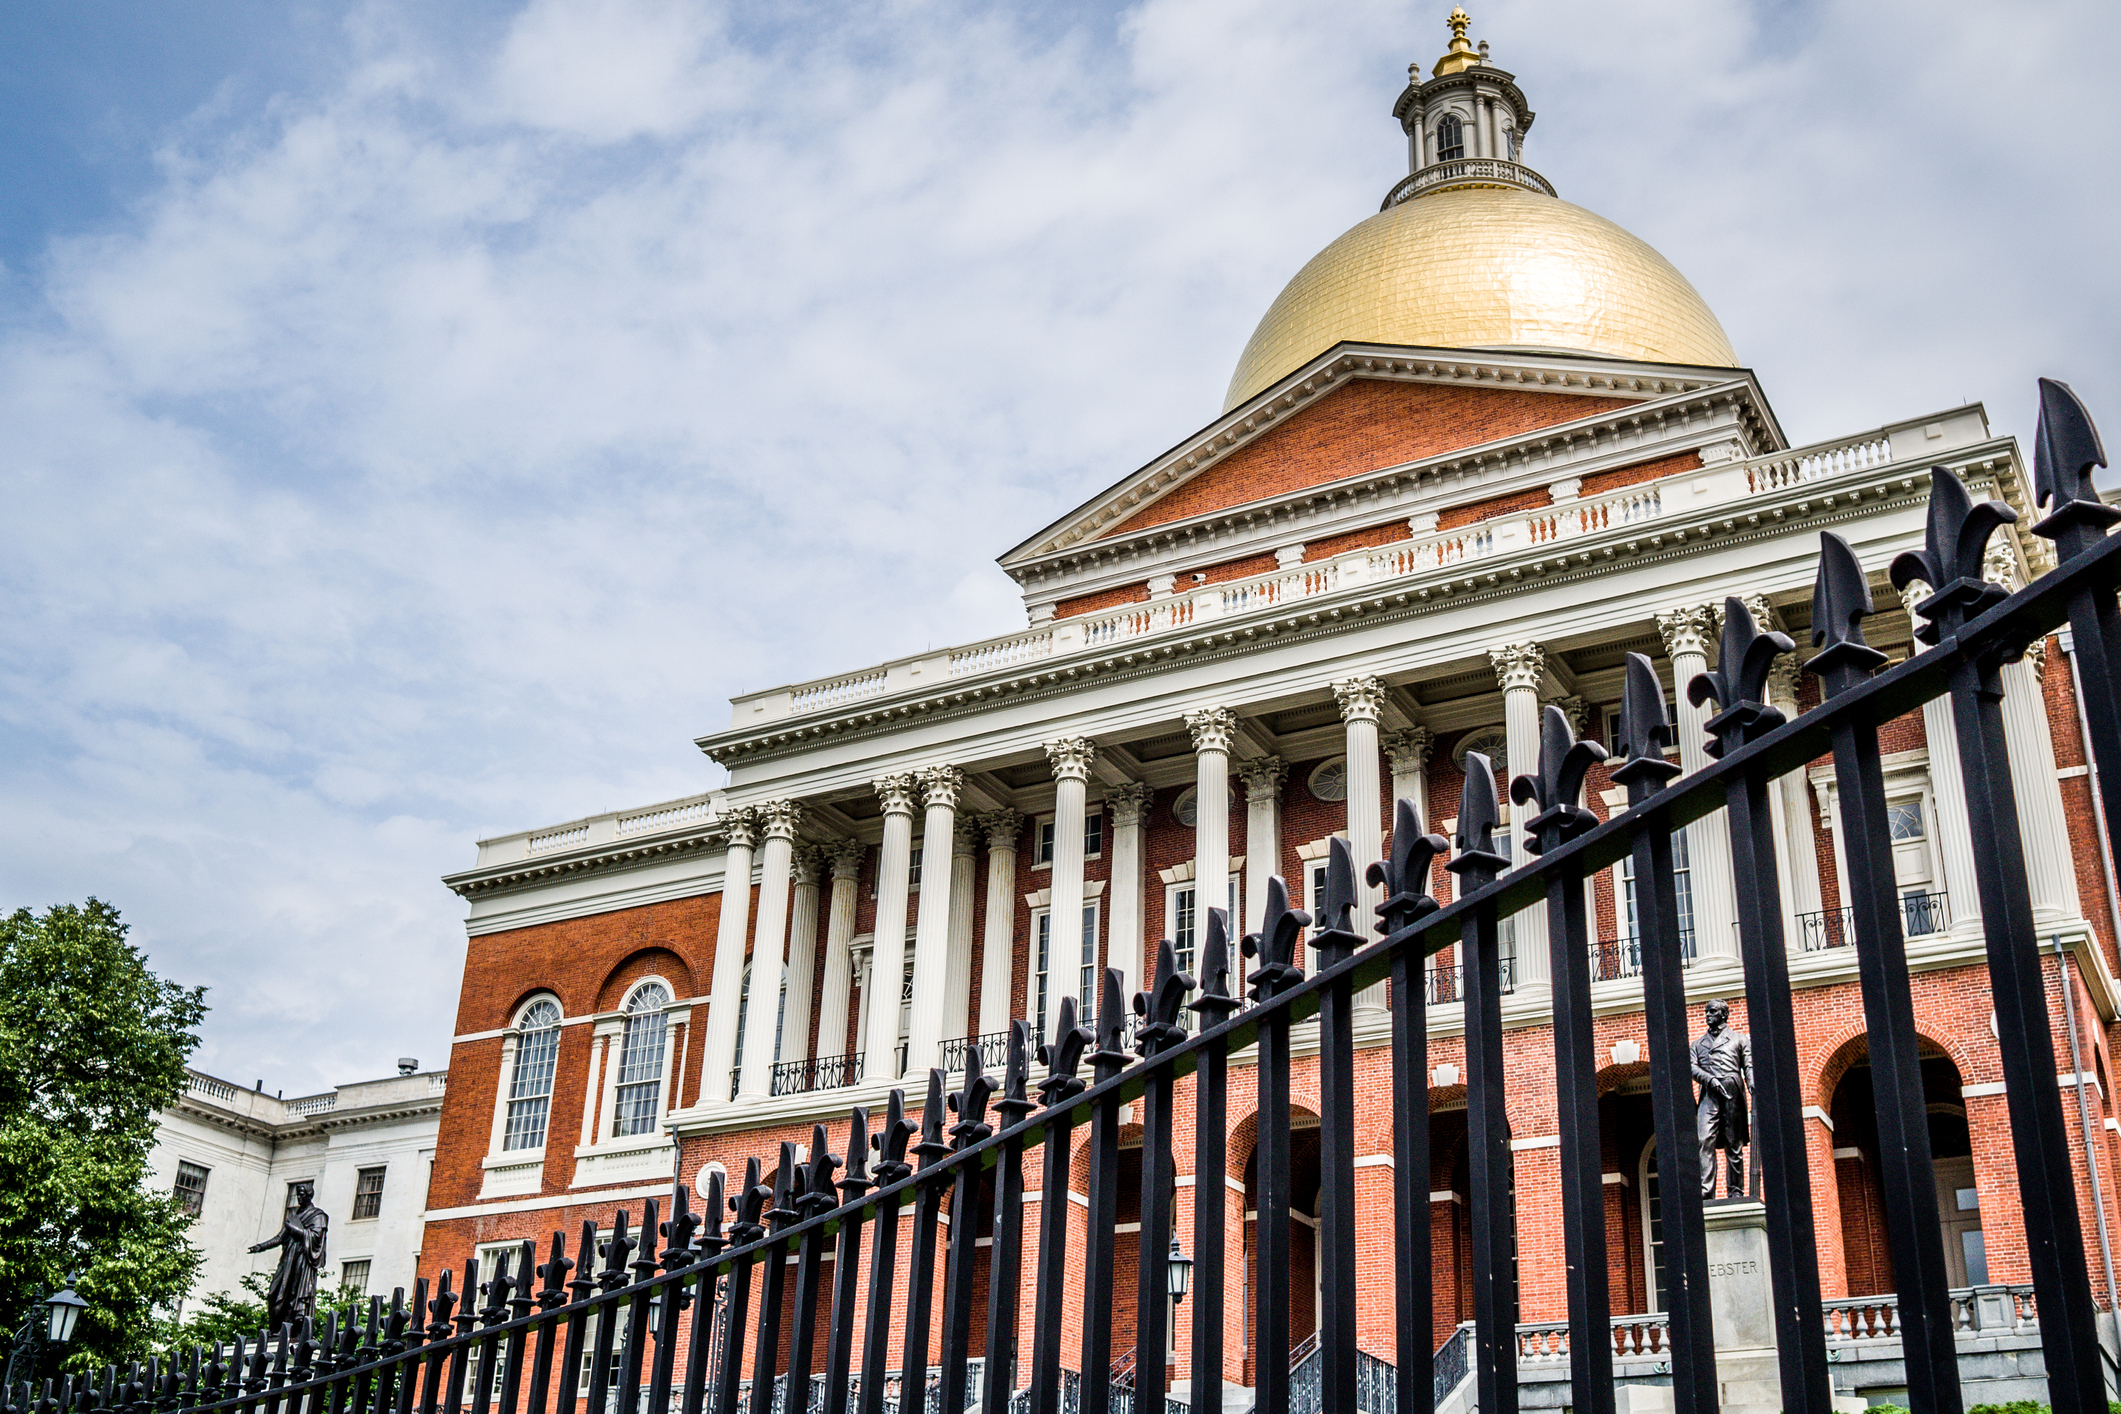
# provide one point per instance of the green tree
(92, 1047)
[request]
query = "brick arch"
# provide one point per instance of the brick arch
(1852, 1044)
(645, 962)
(1612, 1077)
(529, 994)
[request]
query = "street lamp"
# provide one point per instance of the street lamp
(1178, 1273)
(50, 1322)
(61, 1312)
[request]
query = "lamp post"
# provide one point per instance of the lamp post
(50, 1322)
(1178, 1273)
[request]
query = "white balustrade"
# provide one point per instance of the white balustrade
(1816, 463)
(666, 817)
(839, 691)
(1001, 653)
(558, 839)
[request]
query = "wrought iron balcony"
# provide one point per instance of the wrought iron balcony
(798, 1077)
(1920, 915)
(1615, 958)
(1445, 982)
(992, 1047)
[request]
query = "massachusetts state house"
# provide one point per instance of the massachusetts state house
(1483, 445)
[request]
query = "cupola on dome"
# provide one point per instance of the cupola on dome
(1474, 250)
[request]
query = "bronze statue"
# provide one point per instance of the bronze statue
(292, 1297)
(1723, 1066)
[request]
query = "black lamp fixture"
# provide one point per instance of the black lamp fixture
(61, 1312)
(1178, 1273)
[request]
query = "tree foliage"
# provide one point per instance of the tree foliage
(92, 1047)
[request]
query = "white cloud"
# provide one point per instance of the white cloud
(437, 447)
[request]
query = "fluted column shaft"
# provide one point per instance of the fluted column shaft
(802, 952)
(887, 955)
(1262, 777)
(957, 968)
(2049, 863)
(1362, 701)
(839, 957)
(1687, 634)
(1211, 729)
(732, 930)
(940, 786)
(1071, 758)
(769, 945)
(1519, 669)
(1123, 933)
(1408, 753)
(1794, 834)
(996, 966)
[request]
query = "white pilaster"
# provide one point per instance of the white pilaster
(1953, 833)
(887, 955)
(839, 958)
(1519, 669)
(1408, 753)
(940, 786)
(591, 1091)
(1071, 758)
(1262, 777)
(997, 973)
(802, 952)
(732, 931)
(1687, 634)
(1211, 729)
(2049, 861)
(769, 946)
(1123, 936)
(957, 968)
(1794, 838)
(1362, 701)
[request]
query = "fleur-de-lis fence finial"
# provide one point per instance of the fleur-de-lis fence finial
(970, 1104)
(890, 1142)
(679, 1227)
(787, 1184)
(750, 1205)
(817, 1175)
(1015, 1101)
(1738, 682)
(1214, 1001)
(1334, 934)
(933, 1145)
(1404, 873)
(1955, 539)
(1111, 1056)
(1564, 764)
(1159, 1007)
(1841, 601)
(1275, 943)
(1063, 1056)
(855, 1181)
(1645, 731)
(2065, 449)
(712, 1207)
(1478, 815)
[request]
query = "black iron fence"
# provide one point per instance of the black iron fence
(641, 1332)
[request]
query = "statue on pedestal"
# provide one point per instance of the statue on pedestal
(292, 1297)
(1723, 1068)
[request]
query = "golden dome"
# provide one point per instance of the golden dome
(1484, 267)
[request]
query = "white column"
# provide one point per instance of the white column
(2049, 863)
(732, 931)
(594, 1089)
(1071, 758)
(1262, 777)
(1687, 634)
(1794, 836)
(997, 974)
(940, 786)
(1408, 753)
(769, 946)
(1123, 927)
(1519, 669)
(1211, 730)
(1951, 830)
(887, 954)
(500, 1109)
(1362, 701)
(802, 952)
(957, 965)
(839, 958)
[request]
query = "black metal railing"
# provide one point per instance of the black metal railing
(992, 1048)
(1445, 982)
(799, 1077)
(1613, 959)
(641, 1333)
(1920, 914)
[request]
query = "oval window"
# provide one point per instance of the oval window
(1330, 780)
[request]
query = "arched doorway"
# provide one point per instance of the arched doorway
(1865, 1250)
(1304, 1274)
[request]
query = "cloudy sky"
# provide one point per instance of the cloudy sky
(416, 421)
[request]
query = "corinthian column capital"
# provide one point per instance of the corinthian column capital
(847, 859)
(896, 792)
(1212, 729)
(964, 838)
(1782, 683)
(1262, 776)
(1002, 827)
(781, 818)
(1130, 804)
(941, 785)
(740, 826)
(809, 862)
(1518, 665)
(1070, 757)
(1576, 709)
(1408, 749)
(1999, 563)
(1687, 630)
(1361, 699)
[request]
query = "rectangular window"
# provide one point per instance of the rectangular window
(913, 878)
(191, 1186)
(1093, 838)
(1682, 887)
(368, 1193)
(1043, 1014)
(1186, 925)
(1904, 818)
(353, 1276)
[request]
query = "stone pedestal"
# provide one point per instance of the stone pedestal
(1747, 1379)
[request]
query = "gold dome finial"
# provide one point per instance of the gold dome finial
(1460, 56)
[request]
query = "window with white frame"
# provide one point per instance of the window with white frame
(1186, 924)
(530, 1078)
(1450, 139)
(1093, 838)
(640, 1080)
(1683, 889)
(1045, 960)
(368, 1193)
(191, 1186)
(353, 1276)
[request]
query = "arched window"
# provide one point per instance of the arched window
(530, 1082)
(640, 1085)
(1450, 139)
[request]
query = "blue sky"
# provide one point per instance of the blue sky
(416, 422)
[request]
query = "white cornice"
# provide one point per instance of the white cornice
(1580, 374)
(648, 849)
